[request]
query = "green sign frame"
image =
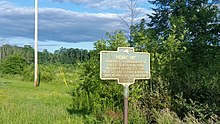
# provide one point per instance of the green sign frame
(124, 65)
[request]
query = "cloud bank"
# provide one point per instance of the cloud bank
(98, 4)
(56, 24)
(63, 25)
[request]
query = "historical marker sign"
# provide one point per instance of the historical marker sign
(124, 65)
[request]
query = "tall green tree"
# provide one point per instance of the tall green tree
(198, 17)
(186, 36)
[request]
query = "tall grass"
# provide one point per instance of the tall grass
(22, 103)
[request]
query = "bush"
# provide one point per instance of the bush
(28, 73)
(167, 117)
(14, 64)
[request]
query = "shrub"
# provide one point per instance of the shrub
(14, 64)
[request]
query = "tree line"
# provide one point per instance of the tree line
(62, 56)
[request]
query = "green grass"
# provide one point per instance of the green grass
(22, 103)
(50, 103)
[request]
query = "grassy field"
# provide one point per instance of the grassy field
(22, 103)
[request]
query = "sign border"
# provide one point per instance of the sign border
(131, 48)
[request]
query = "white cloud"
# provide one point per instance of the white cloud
(103, 4)
(56, 24)
(62, 25)
(117, 6)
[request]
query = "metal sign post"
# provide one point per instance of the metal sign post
(126, 66)
(126, 94)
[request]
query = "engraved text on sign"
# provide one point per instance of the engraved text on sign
(124, 65)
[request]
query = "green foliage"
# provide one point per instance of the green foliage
(56, 73)
(167, 117)
(61, 56)
(26, 52)
(66, 56)
(92, 95)
(184, 58)
(136, 114)
(47, 73)
(28, 73)
(118, 39)
(14, 64)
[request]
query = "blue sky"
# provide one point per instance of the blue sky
(64, 23)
